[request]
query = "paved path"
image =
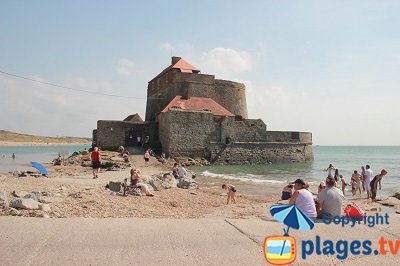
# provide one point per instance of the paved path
(87, 241)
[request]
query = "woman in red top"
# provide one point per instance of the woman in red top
(96, 162)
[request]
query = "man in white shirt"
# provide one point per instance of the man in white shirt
(369, 176)
(331, 199)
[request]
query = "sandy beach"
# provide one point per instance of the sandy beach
(72, 194)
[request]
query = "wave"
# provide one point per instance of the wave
(246, 178)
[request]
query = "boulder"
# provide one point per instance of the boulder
(187, 183)
(27, 204)
(44, 207)
(36, 196)
(114, 186)
(3, 200)
(20, 194)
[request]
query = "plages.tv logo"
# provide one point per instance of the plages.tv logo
(280, 250)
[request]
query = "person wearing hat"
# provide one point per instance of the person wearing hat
(303, 199)
(331, 199)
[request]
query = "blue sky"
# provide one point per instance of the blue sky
(328, 67)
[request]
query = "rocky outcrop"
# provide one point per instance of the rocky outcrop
(26, 204)
(187, 183)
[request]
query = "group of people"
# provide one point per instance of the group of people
(366, 180)
(329, 199)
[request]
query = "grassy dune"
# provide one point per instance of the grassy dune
(13, 137)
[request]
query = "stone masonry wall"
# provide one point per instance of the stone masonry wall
(260, 153)
(184, 133)
(289, 136)
(162, 90)
(243, 130)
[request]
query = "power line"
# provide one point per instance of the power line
(70, 88)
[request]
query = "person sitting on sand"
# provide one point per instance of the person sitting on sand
(374, 183)
(287, 192)
(303, 199)
(321, 187)
(135, 181)
(182, 172)
(175, 170)
(231, 192)
(331, 199)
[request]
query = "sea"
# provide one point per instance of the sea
(24, 155)
(345, 158)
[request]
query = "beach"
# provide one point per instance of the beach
(75, 199)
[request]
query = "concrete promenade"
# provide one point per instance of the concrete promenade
(132, 241)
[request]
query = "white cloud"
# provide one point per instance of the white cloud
(225, 62)
(124, 67)
(167, 47)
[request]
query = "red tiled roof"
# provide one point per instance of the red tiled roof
(198, 104)
(182, 65)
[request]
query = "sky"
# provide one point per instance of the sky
(326, 67)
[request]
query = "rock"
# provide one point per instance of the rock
(27, 204)
(187, 183)
(19, 194)
(114, 186)
(3, 200)
(13, 211)
(397, 195)
(44, 207)
(193, 193)
(390, 202)
(36, 196)
(45, 215)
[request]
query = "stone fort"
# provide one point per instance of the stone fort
(189, 114)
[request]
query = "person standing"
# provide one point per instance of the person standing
(139, 141)
(13, 156)
(96, 162)
(358, 179)
(331, 199)
(374, 183)
(330, 169)
(363, 177)
(146, 158)
(369, 175)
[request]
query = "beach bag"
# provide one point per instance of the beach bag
(353, 210)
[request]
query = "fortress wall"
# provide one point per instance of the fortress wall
(184, 133)
(289, 136)
(245, 130)
(260, 153)
(231, 95)
(110, 134)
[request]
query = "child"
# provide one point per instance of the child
(354, 185)
(231, 192)
(344, 184)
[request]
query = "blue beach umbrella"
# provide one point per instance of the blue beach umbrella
(40, 167)
(292, 216)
